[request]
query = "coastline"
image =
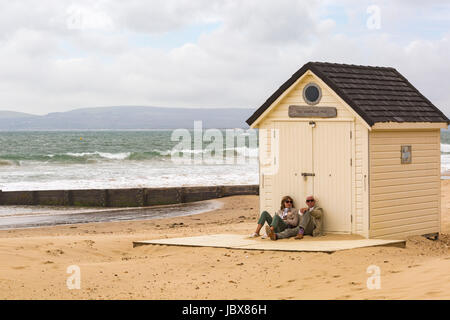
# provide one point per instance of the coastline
(34, 262)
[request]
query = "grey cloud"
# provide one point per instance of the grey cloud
(161, 16)
(258, 45)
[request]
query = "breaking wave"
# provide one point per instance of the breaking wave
(97, 156)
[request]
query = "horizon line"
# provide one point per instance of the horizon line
(125, 106)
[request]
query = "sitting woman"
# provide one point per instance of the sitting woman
(286, 217)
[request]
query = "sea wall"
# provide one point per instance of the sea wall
(136, 197)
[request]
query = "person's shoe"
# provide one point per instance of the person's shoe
(272, 235)
(298, 237)
(268, 230)
(254, 235)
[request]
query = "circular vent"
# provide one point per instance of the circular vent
(312, 93)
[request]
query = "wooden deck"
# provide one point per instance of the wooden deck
(327, 244)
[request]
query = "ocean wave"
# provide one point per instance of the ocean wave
(246, 151)
(445, 148)
(69, 157)
(445, 162)
(106, 155)
(237, 152)
(99, 156)
(147, 155)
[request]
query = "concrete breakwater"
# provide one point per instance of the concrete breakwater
(134, 197)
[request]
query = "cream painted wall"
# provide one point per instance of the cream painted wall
(404, 198)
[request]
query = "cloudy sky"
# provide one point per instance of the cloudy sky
(58, 55)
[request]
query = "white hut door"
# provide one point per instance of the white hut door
(294, 158)
(315, 160)
(332, 168)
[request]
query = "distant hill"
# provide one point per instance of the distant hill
(13, 115)
(126, 117)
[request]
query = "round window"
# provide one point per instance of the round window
(312, 93)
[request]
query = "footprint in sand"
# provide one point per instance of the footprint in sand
(55, 252)
(433, 293)
(357, 289)
(89, 242)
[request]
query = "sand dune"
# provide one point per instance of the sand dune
(34, 262)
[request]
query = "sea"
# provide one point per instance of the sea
(445, 154)
(54, 160)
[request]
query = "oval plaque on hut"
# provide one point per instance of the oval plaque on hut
(307, 112)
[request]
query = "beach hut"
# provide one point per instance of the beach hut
(362, 140)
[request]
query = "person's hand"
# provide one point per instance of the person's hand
(303, 210)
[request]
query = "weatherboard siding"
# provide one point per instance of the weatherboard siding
(404, 198)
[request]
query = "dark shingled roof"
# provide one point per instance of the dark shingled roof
(377, 94)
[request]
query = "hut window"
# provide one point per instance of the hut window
(406, 154)
(312, 93)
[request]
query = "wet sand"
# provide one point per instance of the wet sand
(34, 262)
(17, 217)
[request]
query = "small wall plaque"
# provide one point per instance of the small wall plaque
(308, 112)
(406, 154)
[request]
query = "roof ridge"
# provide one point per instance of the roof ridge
(349, 65)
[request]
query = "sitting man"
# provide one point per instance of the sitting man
(311, 219)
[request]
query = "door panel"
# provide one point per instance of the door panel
(332, 168)
(324, 150)
(295, 157)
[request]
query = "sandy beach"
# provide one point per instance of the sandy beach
(34, 262)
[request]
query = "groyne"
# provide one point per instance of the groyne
(133, 197)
